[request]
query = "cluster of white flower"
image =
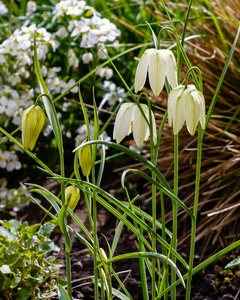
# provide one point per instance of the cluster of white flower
(19, 44)
(55, 83)
(16, 61)
(91, 28)
(114, 94)
(71, 28)
(12, 103)
(9, 161)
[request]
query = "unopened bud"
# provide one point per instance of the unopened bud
(33, 120)
(74, 194)
(85, 159)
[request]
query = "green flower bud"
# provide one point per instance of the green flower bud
(33, 120)
(85, 159)
(74, 194)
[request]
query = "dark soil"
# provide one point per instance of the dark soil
(212, 283)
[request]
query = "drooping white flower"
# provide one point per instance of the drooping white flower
(130, 119)
(186, 104)
(158, 64)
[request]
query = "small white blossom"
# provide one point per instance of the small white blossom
(3, 162)
(105, 72)
(12, 162)
(136, 149)
(101, 54)
(14, 79)
(158, 64)
(72, 58)
(2, 59)
(69, 84)
(62, 32)
(31, 6)
(115, 94)
(83, 134)
(8, 106)
(87, 57)
(3, 9)
(9, 161)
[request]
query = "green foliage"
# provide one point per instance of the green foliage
(26, 269)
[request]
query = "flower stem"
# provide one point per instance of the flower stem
(174, 209)
(195, 209)
(153, 238)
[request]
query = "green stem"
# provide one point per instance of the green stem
(154, 230)
(174, 208)
(69, 276)
(183, 39)
(195, 209)
(95, 246)
(164, 282)
(10, 16)
(143, 268)
(95, 237)
(154, 206)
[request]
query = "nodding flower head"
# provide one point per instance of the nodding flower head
(130, 119)
(186, 104)
(33, 120)
(158, 64)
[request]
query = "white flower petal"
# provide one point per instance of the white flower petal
(174, 95)
(142, 68)
(154, 130)
(171, 69)
(201, 100)
(140, 126)
(122, 126)
(192, 110)
(157, 71)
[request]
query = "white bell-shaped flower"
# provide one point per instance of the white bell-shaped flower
(186, 104)
(158, 64)
(130, 119)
